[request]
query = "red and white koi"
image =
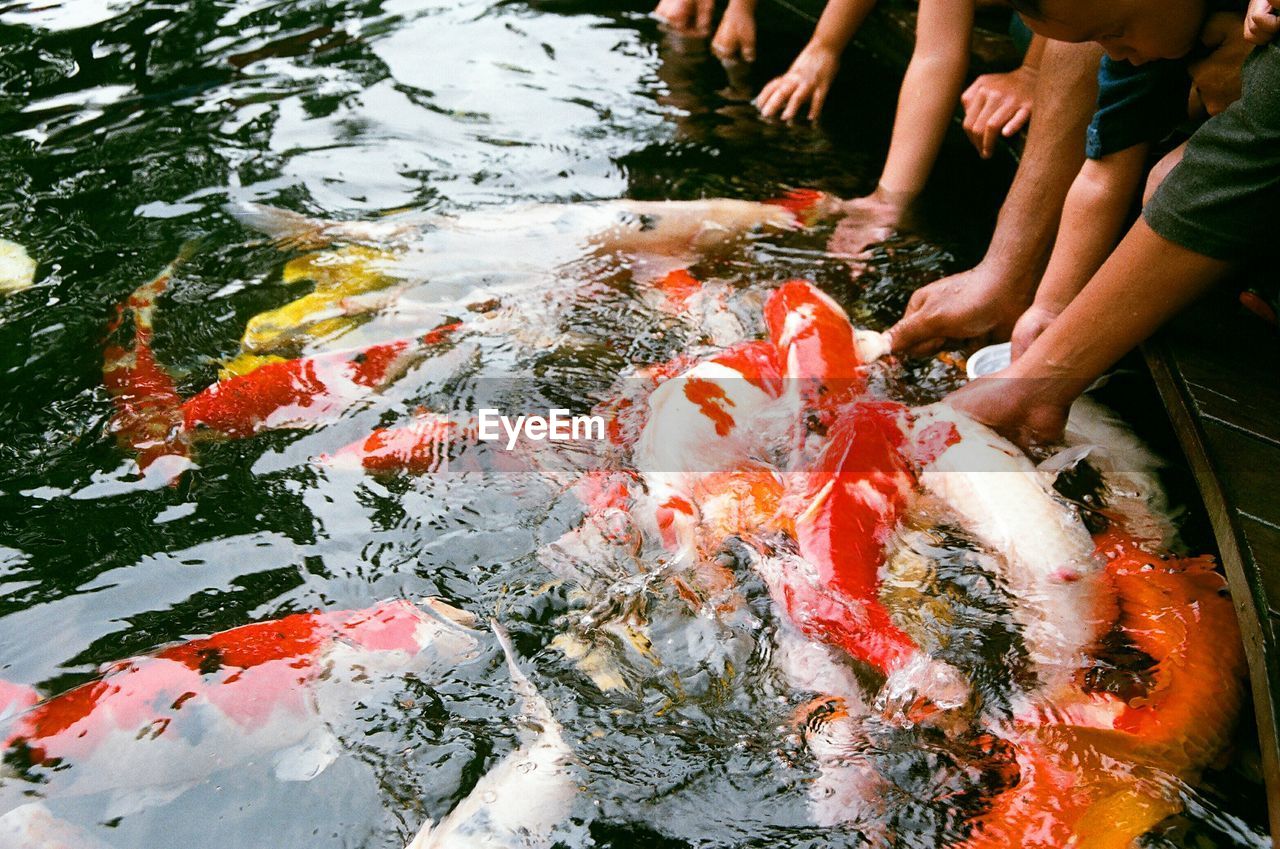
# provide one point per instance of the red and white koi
(151, 727)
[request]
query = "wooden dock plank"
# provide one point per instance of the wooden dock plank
(1230, 450)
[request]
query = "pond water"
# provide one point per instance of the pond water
(126, 128)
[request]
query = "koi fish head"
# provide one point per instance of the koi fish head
(815, 341)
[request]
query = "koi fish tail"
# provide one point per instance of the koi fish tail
(1177, 611)
(294, 231)
(1035, 813)
(148, 419)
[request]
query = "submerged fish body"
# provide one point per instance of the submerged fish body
(525, 798)
(1057, 583)
(151, 727)
(848, 508)
(296, 392)
(1099, 777)
(148, 417)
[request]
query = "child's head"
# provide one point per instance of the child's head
(1133, 30)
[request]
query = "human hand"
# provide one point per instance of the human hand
(997, 105)
(1262, 21)
(973, 304)
(1029, 327)
(1215, 79)
(807, 81)
(736, 36)
(686, 17)
(867, 221)
(1026, 411)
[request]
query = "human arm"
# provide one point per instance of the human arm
(809, 78)
(1262, 21)
(1146, 281)
(686, 17)
(1093, 218)
(736, 36)
(998, 105)
(989, 298)
(926, 102)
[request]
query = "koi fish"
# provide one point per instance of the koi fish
(303, 391)
(419, 447)
(541, 237)
(326, 312)
(527, 795)
(1057, 583)
(151, 727)
(148, 419)
(1104, 782)
(817, 343)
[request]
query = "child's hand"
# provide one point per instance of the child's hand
(997, 105)
(1017, 408)
(974, 304)
(1262, 22)
(867, 221)
(736, 36)
(1029, 327)
(807, 81)
(686, 17)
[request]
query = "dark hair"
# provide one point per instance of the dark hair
(1027, 7)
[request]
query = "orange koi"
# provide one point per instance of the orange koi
(148, 419)
(1106, 782)
(304, 390)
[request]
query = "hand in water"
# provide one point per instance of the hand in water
(807, 81)
(867, 221)
(686, 17)
(736, 36)
(977, 305)
(1026, 411)
(997, 105)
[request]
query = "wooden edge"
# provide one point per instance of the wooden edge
(1264, 677)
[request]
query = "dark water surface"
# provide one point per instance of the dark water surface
(125, 127)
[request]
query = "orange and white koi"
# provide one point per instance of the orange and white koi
(148, 419)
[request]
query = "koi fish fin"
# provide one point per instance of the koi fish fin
(420, 841)
(535, 707)
(293, 231)
(15, 698)
(309, 758)
(135, 799)
(34, 826)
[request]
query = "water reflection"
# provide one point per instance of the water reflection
(128, 128)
